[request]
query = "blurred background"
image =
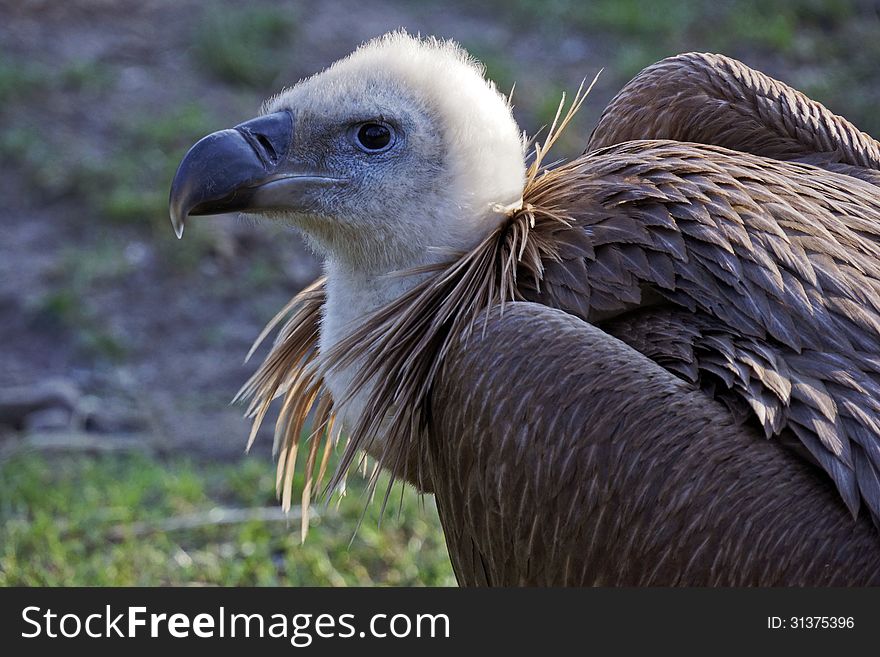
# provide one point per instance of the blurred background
(121, 460)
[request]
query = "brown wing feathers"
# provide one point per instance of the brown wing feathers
(713, 99)
(717, 100)
(778, 263)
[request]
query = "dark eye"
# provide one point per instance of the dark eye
(374, 137)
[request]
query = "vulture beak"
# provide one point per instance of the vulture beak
(244, 168)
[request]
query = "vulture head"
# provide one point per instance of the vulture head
(397, 152)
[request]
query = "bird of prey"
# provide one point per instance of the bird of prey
(656, 364)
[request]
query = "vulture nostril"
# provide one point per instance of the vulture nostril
(268, 135)
(266, 143)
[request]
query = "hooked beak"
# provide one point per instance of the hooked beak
(244, 168)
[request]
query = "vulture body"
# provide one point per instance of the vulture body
(674, 490)
(658, 364)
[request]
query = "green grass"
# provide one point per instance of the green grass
(67, 520)
(63, 307)
(20, 81)
(128, 185)
(86, 76)
(67, 302)
(750, 22)
(498, 66)
(127, 180)
(241, 46)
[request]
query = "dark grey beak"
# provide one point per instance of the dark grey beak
(224, 170)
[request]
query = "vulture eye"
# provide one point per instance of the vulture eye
(375, 137)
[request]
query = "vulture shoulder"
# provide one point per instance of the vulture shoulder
(772, 269)
(562, 456)
(713, 99)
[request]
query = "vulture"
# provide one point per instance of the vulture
(656, 364)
